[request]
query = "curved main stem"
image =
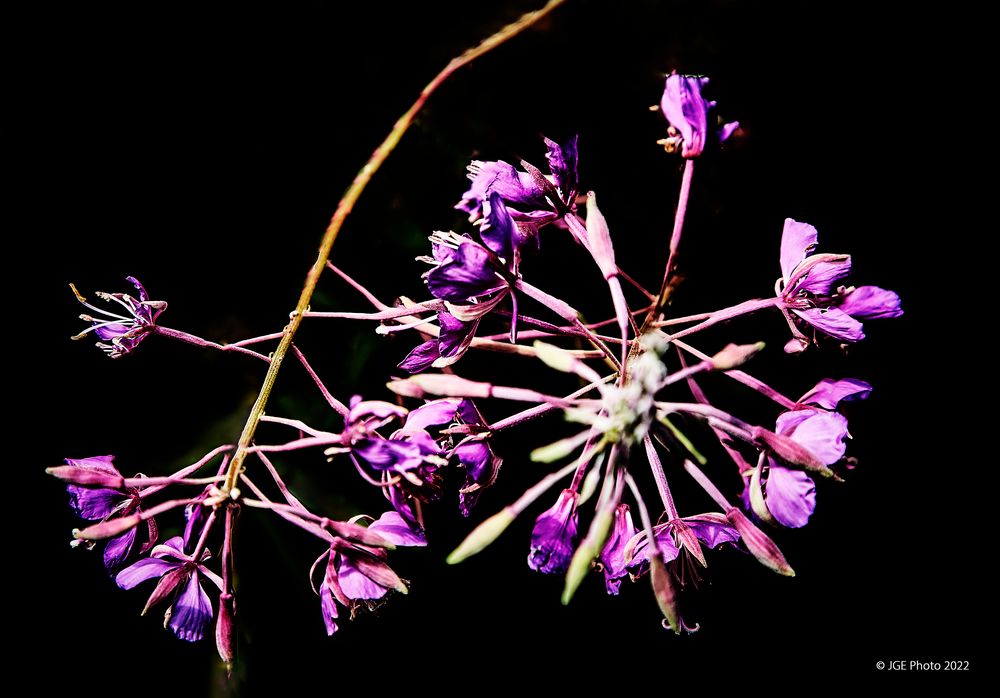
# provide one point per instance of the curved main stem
(340, 215)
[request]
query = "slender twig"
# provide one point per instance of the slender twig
(344, 208)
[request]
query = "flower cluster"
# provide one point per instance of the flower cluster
(637, 414)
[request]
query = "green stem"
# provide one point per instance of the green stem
(340, 215)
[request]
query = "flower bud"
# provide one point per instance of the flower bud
(85, 476)
(108, 529)
(484, 534)
(735, 355)
(759, 544)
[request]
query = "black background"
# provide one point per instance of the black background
(203, 151)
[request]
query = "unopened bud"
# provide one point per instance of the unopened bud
(224, 630)
(588, 551)
(663, 589)
(358, 534)
(759, 544)
(442, 384)
(108, 529)
(735, 355)
(790, 451)
(85, 476)
(484, 534)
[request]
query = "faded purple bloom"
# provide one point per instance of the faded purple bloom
(362, 439)
(613, 554)
(357, 575)
(190, 610)
(121, 334)
(678, 535)
(472, 453)
(811, 298)
(530, 199)
(101, 504)
(554, 535)
(789, 494)
(688, 114)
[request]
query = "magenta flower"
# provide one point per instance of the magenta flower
(810, 298)
(180, 576)
(448, 347)
(473, 280)
(681, 535)
(554, 536)
(789, 495)
(531, 199)
(357, 575)
(688, 114)
(471, 454)
(97, 492)
(613, 561)
(121, 334)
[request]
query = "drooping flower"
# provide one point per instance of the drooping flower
(121, 334)
(97, 492)
(472, 454)
(180, 576)
(531, 199)
(788, 496)
(554, 536)
(357, 575)
(613, 561)
(449, 346)
(473, 280)
(810, 297)
(688, 114)
(681, 535)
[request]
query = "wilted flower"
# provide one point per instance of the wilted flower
(531, 199)
(677, 535)
(122, 333)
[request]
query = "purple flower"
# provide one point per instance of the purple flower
(103, 503)
(473, 280)
(530, 199)
(472, 454)
(121, 334)
(449, 346)
(810, 297)
(554, 535)
(688, 114)
(180, 575)
(613, 554)
(789, 495)
(677, 535)
(357, 575)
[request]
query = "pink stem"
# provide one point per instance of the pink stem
(330, 399)
(661, 478)
(255, 340)
(539, 410)
(744, 308)
(187, 470)
(744, 378)
(707, 485)
(199, 342)
(289, 497)
(369, 296)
